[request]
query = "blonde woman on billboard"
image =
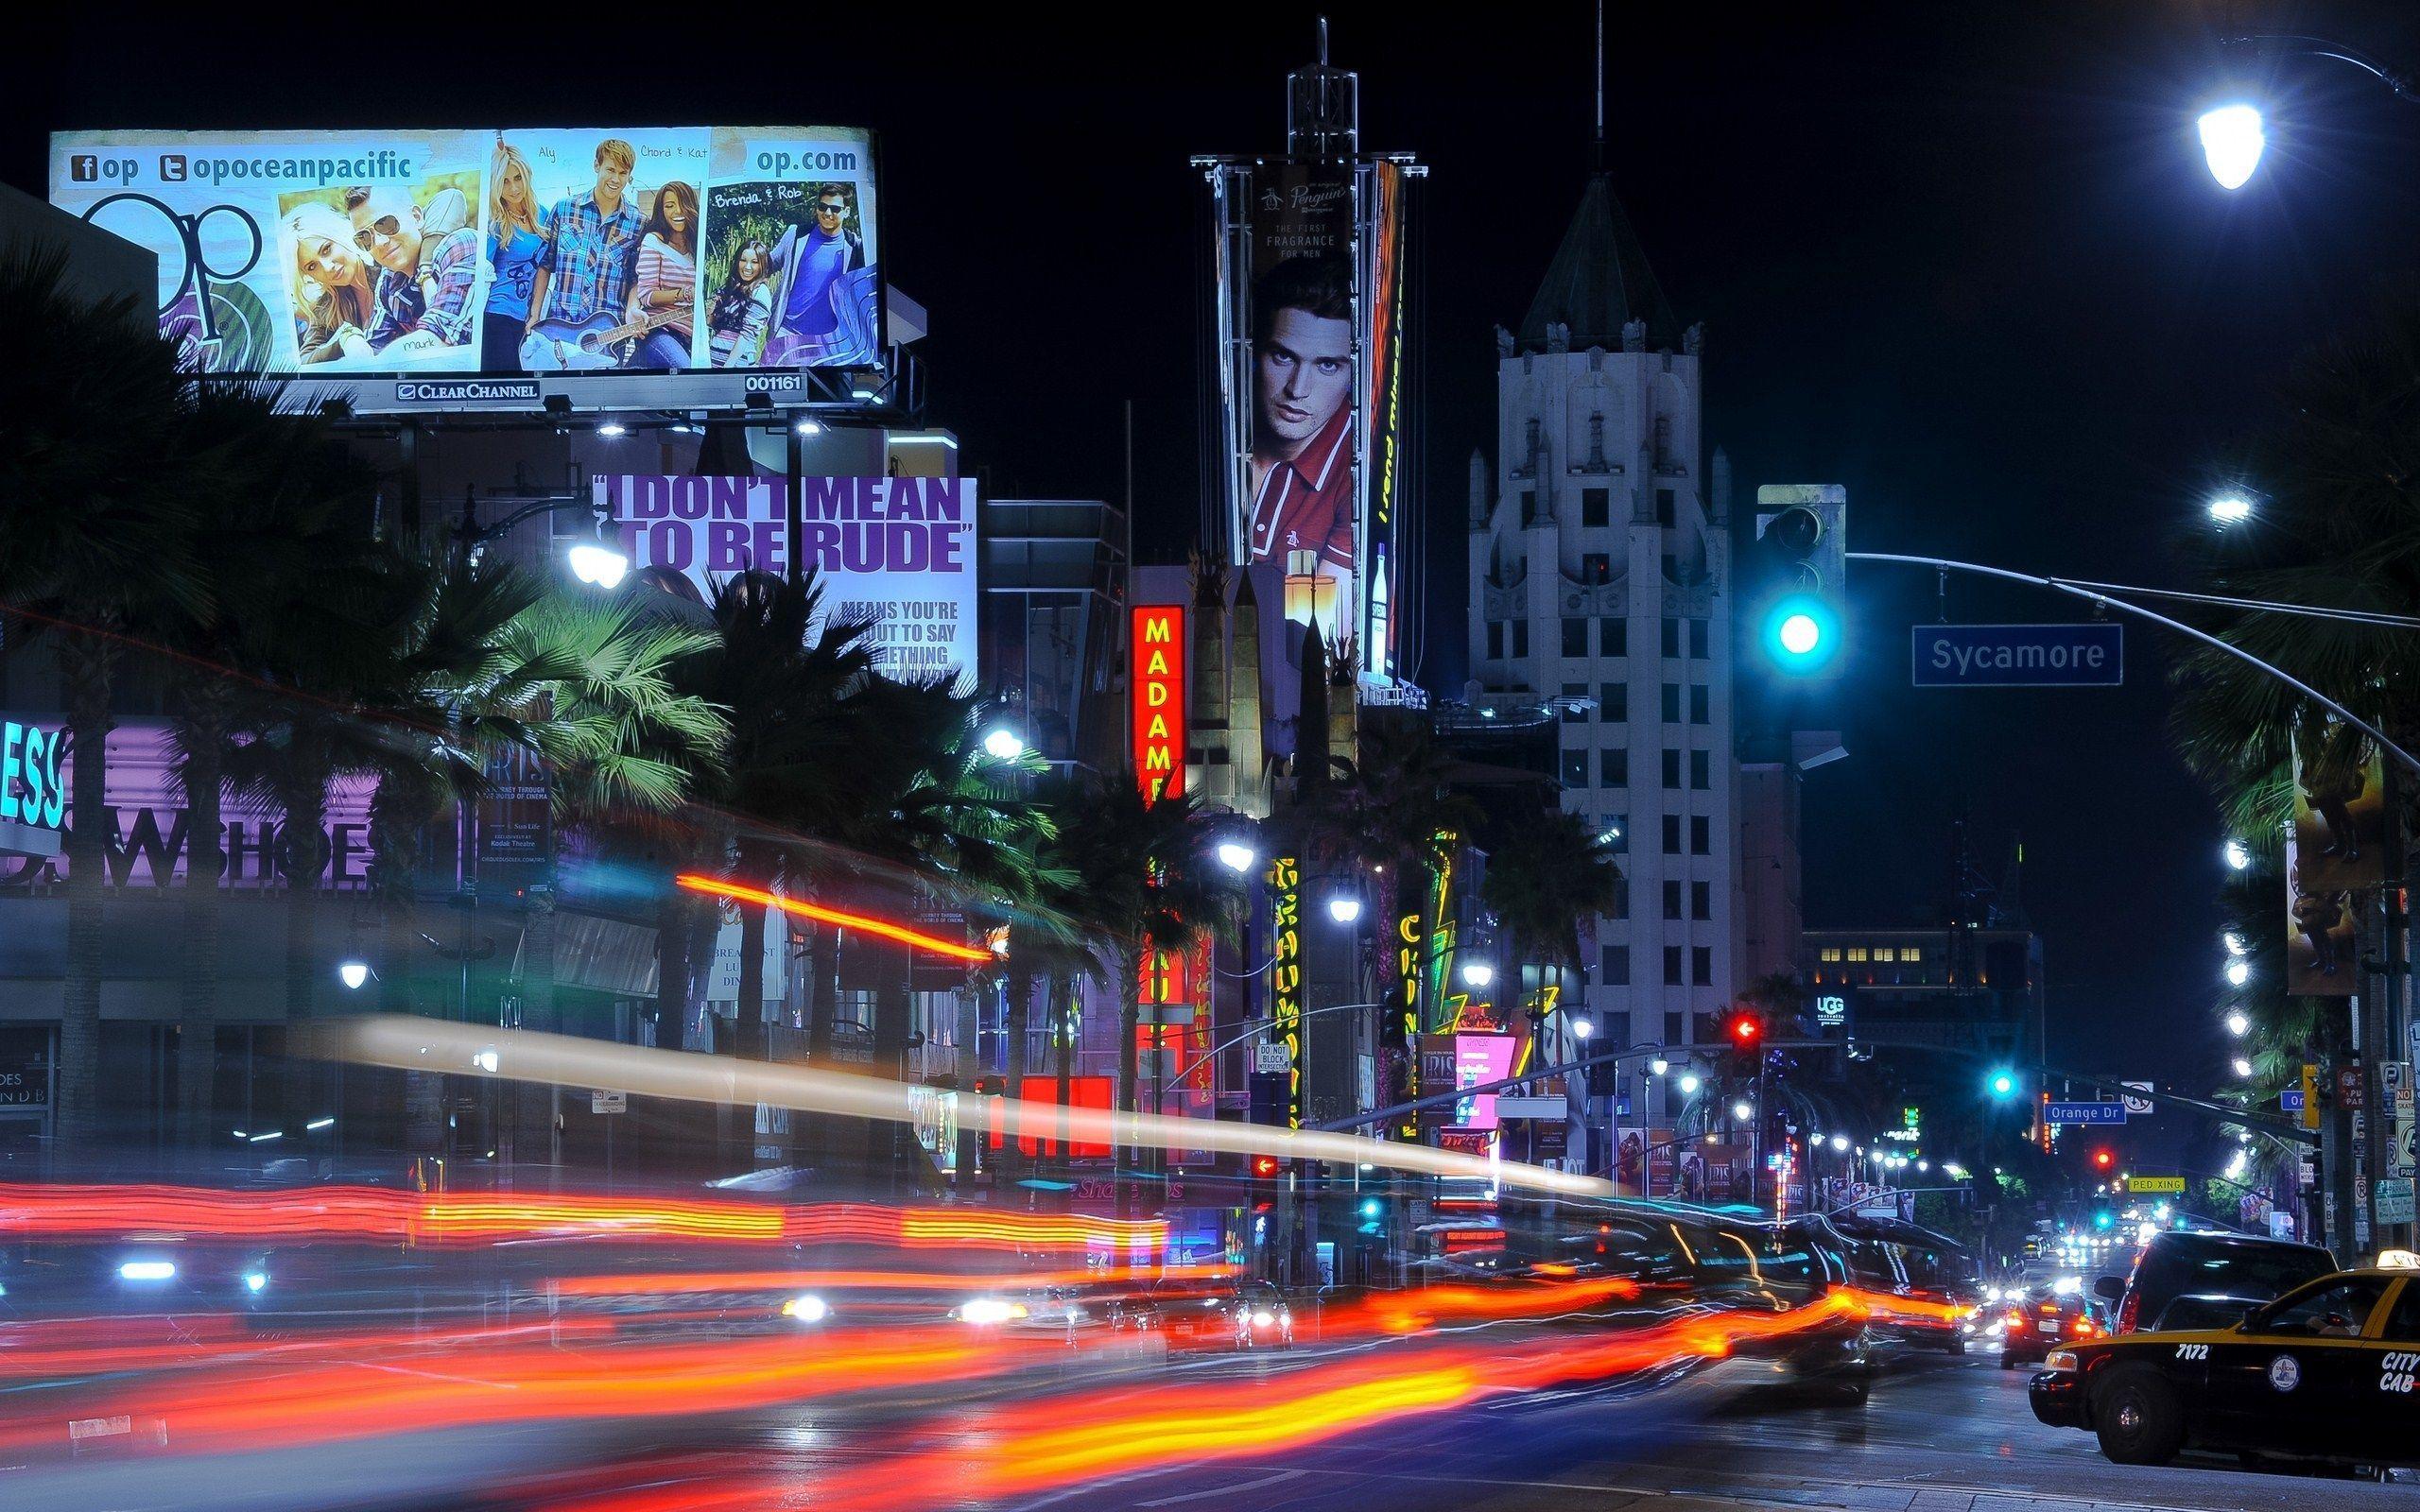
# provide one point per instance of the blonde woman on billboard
(517, 232)
(333, 297)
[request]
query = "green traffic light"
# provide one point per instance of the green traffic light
(1801, 632)
(2003, 1084)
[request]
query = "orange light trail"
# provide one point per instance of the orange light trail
(883, 928)
(379, 1215)
(677, 1283)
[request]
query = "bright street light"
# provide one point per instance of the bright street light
(1741, 1111)
(612, 428)
(1840, 1144)
(1235, 856)
(596, 563)
(2243, 1069)
(1344, 908)
(1003, 743)
(2233, 943)
(2232, 141)
(1582, 1028)
(2239, 973)
(809, 427)
(2239, 855)
(2239, 1023)
(1689, 1085)
(2230, 509)
(1477, 973)
(353, 973)
(1658, 1066)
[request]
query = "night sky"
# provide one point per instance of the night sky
(1963, 259)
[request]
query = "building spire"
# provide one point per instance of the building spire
(1597, 156)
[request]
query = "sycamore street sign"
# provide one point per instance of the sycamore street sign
(2018, 655)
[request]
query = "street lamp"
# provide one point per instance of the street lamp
(1582, 1029)
(2230, 509)
(1689, 1085)
(1003, 744)
(2239, 1023)
(2233, 943)
(612, 428)
(1477, 973)
(2232, 142)
(1840, 1144)
(1344, 908)
(597, 564)
(1235, 855)
(1658, 1066)
(2239, 854)
(809, 427)
(2243, 1069)
(1741, 1111)
(353, 973)
(2239, 973)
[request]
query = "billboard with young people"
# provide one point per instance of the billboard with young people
(464, 267)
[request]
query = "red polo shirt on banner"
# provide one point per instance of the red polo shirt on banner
(1306, 504)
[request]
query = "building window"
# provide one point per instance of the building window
(1671, 568)
(1856, 955)
(1671, 703)
(1617, 971)
(1673, 966)
(1520, 638)
(1613, 703)
(1664, 505)
(1701, 774)
(1596, 568)
(1612, 766)
(1699, 714)
(1697, 638)
(1700, 900)
(1528, 506)
(1576, 696)
(1829, 953)
(1662, 446)
(1700, 836)
(1613, 637)
(1495, 639)
(1671, 835)
(1575, 768)
(1672, 1029)
(1884, 952)
(1617, 1029)
(1671, 899)
(1671, 638)
(1671, 770)
(1702, 966)
(1596, 442)
(1575, 637)
(1595, 507)
(1621, 899)
(1911, 953)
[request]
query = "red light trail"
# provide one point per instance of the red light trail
(882, 928)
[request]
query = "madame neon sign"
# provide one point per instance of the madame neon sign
(1157, 690)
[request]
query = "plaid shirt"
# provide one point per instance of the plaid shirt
(456, 266)
(399, 304)
(587, 258)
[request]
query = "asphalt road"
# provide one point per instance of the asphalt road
(1938, 1435)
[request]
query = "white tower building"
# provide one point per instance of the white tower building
(1599, 575)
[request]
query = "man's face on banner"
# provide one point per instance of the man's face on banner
(1305, 371)
(386, 226)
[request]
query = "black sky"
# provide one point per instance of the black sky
(1961, 258)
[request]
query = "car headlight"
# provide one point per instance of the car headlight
(1264, 1318)
(984, 1310)
(255, 1282)
(2059, 1360)
(807, 1307)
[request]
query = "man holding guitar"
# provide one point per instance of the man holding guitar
(585, 271)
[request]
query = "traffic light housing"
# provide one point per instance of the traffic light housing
(2002, 1084)
(2104, 1160)
(1265, 1167)
(1744, 1032)
(1794, 581)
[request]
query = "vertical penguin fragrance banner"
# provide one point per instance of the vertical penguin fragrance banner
(1156, 684)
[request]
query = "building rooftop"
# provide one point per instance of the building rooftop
(1599, 282)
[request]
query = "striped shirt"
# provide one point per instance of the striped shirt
(661, 266)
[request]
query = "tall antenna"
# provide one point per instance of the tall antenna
(1598, 157)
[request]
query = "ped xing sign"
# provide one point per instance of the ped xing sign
(2083, 1112)
(2155, 1183)
(2018, 655)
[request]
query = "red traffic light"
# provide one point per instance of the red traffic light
(1264, 1166)
(1746, 1030)
(2104, 1158)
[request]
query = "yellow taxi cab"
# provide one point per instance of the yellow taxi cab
(2324, 1374)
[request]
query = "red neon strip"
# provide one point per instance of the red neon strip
(881, 927)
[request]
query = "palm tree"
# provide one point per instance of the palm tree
(96, 417)
(288, 513)
(1550, 875)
